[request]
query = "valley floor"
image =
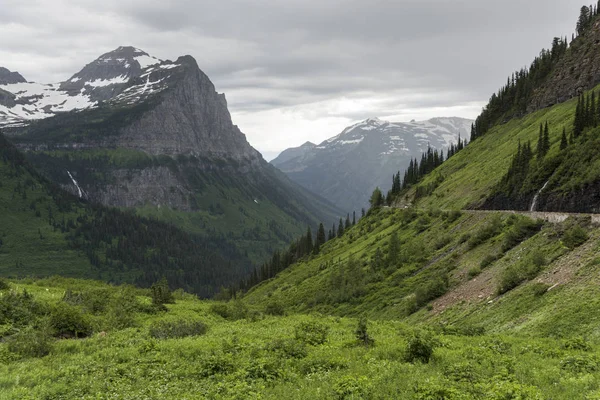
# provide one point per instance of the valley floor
(209, 350)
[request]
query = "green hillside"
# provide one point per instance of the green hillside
(128, 348)
(45, 231)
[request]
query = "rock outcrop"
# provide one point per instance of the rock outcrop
(577, 71)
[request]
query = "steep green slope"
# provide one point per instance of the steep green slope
(46, 231)
(484, 268)
(474, 177)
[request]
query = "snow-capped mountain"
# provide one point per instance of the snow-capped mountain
(132, 131)
(346, 168)
(126, 75)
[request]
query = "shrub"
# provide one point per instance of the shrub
(501, 390)
(362, 334)
(580, 364)
(539, 289)
(92, 301)
(177, 329)
(474, 271)
(221, 310)
(4, 284)
(20, 309)
(161, 293)
(290, 348)
(433, 289)
(264, 368)
(350, 387)
(521, 229)
(579, 344)
(68, 321)
(275, 308)
(489, 260)
(216, 364)
(122, 309)
(517, 273)
(434, 391)
(490, 230)
(321, 365)
(30, 343)
(312, 333)
(420, 348)
(575, 237)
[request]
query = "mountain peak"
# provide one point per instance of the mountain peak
(8, 77)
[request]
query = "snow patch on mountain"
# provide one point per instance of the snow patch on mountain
(113, 77)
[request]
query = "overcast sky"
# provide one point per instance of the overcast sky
(298, 70)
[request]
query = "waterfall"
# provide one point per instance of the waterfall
(537, 195)
(75, 183)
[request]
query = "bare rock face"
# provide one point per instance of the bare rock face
(578, 71)
(7, 77)
(190, 119)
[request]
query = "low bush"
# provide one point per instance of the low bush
(577, 343)
(489, 260)
(490, 230)
(177, 329)
(30, 342)
(420, 348)
(4, 284)
(521, 229)
(289, 348)
(321, 365)
(217, 364)
(431, 290)
(580, 364)
(312, 333)
(517, 273)
(70, 322)
(161, 293)
(20, 309)
(350, 387)
(539, 289)
(474, 271)
(575, 237)
(362, 334)
(275, 308)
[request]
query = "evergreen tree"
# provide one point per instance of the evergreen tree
(546, 139)
(540, 143)
(340, 231)
(354, 215)
(347, 224)
(376, 199)
(308, 242)
(320, 240)
(563, 140)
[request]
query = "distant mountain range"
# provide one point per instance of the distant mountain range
(346, 168)
(132, 131)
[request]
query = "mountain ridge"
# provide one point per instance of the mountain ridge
(347, 167)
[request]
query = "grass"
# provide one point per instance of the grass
(259, 356)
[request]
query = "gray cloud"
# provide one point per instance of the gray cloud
(311, 59)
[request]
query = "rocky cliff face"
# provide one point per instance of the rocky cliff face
(191, 119)
(577, 71)
(346, 168)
